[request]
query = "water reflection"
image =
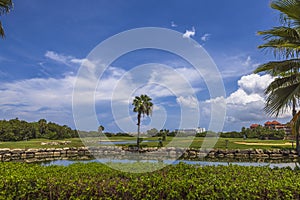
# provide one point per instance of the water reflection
(191, 162)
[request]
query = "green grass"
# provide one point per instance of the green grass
(221, 143)
(36, 143)
(171, 142)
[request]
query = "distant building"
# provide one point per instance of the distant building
(200, 130)
(275, 125)
(190, 131)
(253, 126)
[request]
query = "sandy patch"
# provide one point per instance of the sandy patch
(263, 144)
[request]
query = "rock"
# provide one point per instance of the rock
(277, 156)
(17, 151)
(202, 155)
(229, 155)
(50, 149)
(211, 155)
(263, 155)
(259, 151)
(241, 155)
(276, 151)
(56, 154)
(31, 150)
(220, 155)
(293, 156)
(192, 153)
(285, 152)
(293, 152)
(4, 150)
(172, 153)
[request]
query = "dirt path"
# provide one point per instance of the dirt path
(263, 144)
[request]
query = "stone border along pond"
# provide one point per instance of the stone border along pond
(82, 153)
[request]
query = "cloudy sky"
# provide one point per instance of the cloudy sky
(48, 42)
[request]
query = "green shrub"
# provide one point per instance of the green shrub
(182, 181)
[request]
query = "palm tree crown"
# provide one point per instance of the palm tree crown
(142, 105)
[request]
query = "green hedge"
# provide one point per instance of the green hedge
(182, 181)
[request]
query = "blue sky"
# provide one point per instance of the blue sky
(46, 41)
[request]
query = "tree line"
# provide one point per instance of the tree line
(17, 130)
(257, 133)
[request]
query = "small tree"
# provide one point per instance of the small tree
(164, 133)
(100, 129)
(152, 132)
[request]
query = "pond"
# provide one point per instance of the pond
(200, 162)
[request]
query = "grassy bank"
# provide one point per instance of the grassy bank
(182, 181)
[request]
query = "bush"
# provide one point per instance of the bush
(181, 181)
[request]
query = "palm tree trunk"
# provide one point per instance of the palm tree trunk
(297, 143)
(294, 107)
(297, 133)
(138, 136)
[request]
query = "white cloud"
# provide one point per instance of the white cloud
(68, 60)
(37, 98)
(173, 24)
(247, 62)
(254, 83)
(58, 57)
(189, 33)
(236, 66)
(188, 101)
(205, 37)
(245, 105)
(55, 94)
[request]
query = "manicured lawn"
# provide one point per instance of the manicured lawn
(220, 143)
(36, 143)
(233, 143)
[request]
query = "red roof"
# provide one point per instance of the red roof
(276, 123)
(268, 123)
(254, 125)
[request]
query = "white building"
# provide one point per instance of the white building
(190, 130)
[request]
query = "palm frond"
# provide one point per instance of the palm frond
(282, 47)
(279, 100)
(290, 8)
(287, 33)
(276, 68)
(5, 6)
(2, 34)
(143, 105)
(282, 82)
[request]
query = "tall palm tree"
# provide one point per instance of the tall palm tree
(142, 106)
(5, 6)
(284, 41)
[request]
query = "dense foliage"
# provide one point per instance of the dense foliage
(263, 133)
(259, 133)
(16, 130)
(106, 134)
(182, 181)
